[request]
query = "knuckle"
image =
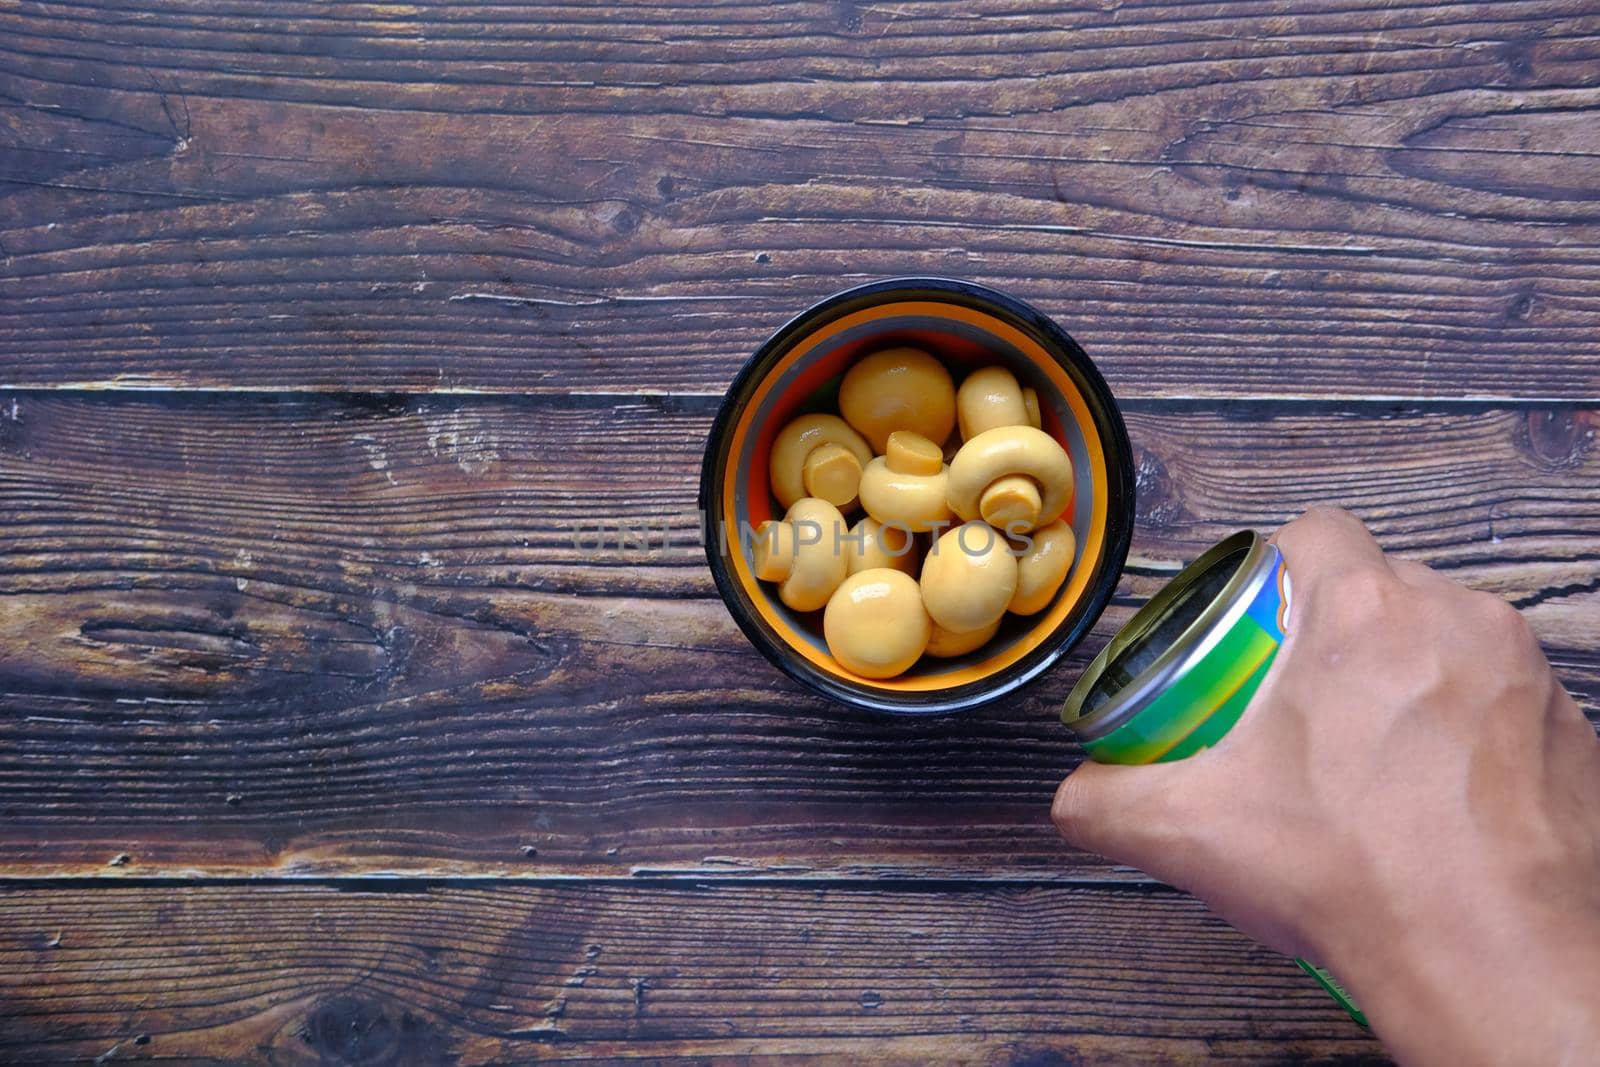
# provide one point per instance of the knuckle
(1319, 525)
(1503, 622)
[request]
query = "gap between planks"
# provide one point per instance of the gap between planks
(687, 880)
(708, 402)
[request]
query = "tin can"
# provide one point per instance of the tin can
(1179, 674)
(1177, 677)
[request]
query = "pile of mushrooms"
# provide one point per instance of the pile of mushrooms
(963, 496)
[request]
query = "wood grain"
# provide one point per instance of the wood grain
(300, 634)
(1228, 199)
(339, 340)
(301, 974)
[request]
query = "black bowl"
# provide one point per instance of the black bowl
(966, 326)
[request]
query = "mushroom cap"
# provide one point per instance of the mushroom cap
(1005, 451)
(819, 562)
(1042, 568)
(946, 643)
(989, 397)
(919, 502)
(801, 459)
(872, 544)
(875, 624)
(968, 578)
(898, 389)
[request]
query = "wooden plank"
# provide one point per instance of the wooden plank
(510, 974)
(296, 635)
(1218, 200)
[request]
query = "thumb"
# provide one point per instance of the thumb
(1130, 814)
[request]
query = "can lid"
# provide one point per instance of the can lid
(1165, 635)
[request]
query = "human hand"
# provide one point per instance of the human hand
(1411, 799)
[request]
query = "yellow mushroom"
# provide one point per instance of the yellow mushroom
(946, 643)
(875, 624)
(990, 397)
(907, 485)
(898, 389)
(1043, 567)
(802, 553)
(1030, 404)
(1016, 478)
(872, 544)
(820, 456)
(968, 578)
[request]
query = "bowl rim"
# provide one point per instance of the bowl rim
(1119, 464)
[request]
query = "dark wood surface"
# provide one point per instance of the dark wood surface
(330, 333)
(323, 635)
(1397, 199)
(472, 974)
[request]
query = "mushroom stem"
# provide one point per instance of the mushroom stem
(774, 550)
(912, 453)
(1011, 503)
(831, 472)
(908, 484)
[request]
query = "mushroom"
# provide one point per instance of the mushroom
(946, 643)
(801, 553)
(820, 456)
(907, 485)
(875, 624)
(968, 578)
(898, 389)
(1016, 478)
(872, 544)
(1043, 567)
(1030, 404)
(990, 397)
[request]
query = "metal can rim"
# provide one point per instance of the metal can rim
(1189, 647)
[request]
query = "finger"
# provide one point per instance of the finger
(1132, 815)
(1327, 544)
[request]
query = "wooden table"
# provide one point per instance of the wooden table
(324, 325)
